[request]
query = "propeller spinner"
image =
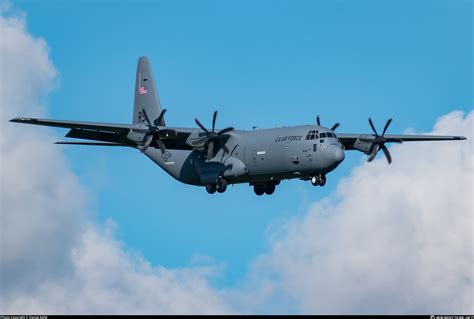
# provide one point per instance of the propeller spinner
(211, 137)
(154, 133)
(378, 142)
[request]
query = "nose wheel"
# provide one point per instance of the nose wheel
(319, 179)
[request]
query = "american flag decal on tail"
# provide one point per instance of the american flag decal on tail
(142, 90)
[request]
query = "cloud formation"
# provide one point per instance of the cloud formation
(395, 239)
(52, 258)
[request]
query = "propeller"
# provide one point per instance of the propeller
(211, 137)
(378, 142)
(154, 133)
(333, 128)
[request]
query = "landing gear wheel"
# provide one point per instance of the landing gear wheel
(315, 180)
(222, 186)
(322, 180)
(211, 188)
(259, 190)
(269, 189)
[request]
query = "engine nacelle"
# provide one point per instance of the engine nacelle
(363, 145)
(137, 134)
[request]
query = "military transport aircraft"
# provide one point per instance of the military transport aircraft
(216, 158)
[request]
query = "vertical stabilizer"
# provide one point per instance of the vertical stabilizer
(146, 96)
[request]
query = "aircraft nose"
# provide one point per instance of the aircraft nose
(336, 153)
(339, 155)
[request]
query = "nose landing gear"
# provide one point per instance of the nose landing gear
(319, 179)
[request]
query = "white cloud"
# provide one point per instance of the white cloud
(52, 259)
(41, 201)
(392, 239)
(108, 279)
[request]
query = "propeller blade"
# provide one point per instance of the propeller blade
(147, 143)
(146, 117)
(318, 120)
(386, 126)
(214, 116)
(161, 145)
(335, 126)
(226, 149)
(371, 157)
(226, 130)
(373, 127)
(160, 117)
(201, 126)
(210, 150)
(387, 153)
(374, 148)
(223, 146)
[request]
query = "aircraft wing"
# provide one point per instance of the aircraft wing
(348, 140)
(106, 127)
(103, 132)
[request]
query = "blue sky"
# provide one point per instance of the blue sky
(260, 64)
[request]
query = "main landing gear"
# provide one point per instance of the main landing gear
(267, 188)
(319, 179)
(220, 187)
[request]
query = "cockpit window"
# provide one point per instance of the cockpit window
(311, 135)
(322, 135)
(330, 134)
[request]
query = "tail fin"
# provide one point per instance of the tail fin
(146, 96)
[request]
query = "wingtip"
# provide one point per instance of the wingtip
(22, 119)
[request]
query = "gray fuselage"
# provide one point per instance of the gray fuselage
(256, 156)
